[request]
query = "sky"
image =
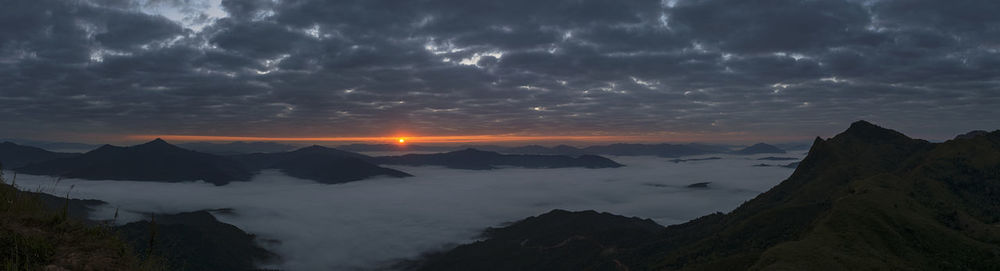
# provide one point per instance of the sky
(672, 71)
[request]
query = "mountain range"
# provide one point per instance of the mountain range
(869, 198)
(156, 161)
(14, 156)
(633, 149)
(480, 160)
(238, 147)
(160, 161)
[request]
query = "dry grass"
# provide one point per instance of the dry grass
(34, 237)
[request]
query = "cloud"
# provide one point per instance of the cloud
(283, 68)
(364, 224)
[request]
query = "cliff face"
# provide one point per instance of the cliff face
(867, 198)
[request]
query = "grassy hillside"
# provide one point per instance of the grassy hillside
(35, 237)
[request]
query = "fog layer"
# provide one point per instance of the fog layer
(370, 223)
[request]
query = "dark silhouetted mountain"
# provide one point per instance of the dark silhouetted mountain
(695, 159)
(238, 147)
(972, 134)
(391, 147)
(796, 146)
(536, 149)
(321, 164)
(699, 185)
(327, 169)
(156, 160)
(661, 150)
(196, 241)
(70, 147)
(480, 160)
(620, 149)
(867, 199)
(772, 158)
(758, 149)
(15, 156)
(579, 239)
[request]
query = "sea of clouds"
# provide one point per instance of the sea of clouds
(373, 223)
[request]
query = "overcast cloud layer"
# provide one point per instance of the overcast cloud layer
(365, 224)
(371, 67)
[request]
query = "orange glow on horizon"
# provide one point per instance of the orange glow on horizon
(476, 138)
(420, 139)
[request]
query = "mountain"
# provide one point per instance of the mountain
(15, 156)
(661, 150)
(578, 237)
(195, 241)
(156, 160)
(480, 160)
(758, 149)
(237, 147)
(869, 198)
(321, 164)
(71, 147)
(619, 149)
(537, 149)
(391, 147)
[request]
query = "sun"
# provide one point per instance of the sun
(402, 140)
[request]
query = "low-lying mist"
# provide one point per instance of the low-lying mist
(371, 223)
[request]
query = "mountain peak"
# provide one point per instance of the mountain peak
(156, 144)
(760, 148)
(313, 148)
(157, 141)
(972, 134)
(872, 133)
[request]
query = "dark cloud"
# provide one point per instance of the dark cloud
(327, 68)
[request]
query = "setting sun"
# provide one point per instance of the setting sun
(402, 140)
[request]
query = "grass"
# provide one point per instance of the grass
(34, 237)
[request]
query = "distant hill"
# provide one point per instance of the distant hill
(156, 160)
(70, 147)
(238, 147)
(759, 148)
(196, 241)
(391, 147)
(661, 150)
(321, 164)
(867, 199)
(14, 156)
(619, 149)
(480, 160)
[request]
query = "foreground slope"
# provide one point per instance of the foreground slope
(869, 198)
(196, 241)
(35, 237)
(156, 160)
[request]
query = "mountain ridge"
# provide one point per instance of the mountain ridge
(866, 198)
(155, 160)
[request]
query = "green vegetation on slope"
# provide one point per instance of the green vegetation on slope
(34, 237)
